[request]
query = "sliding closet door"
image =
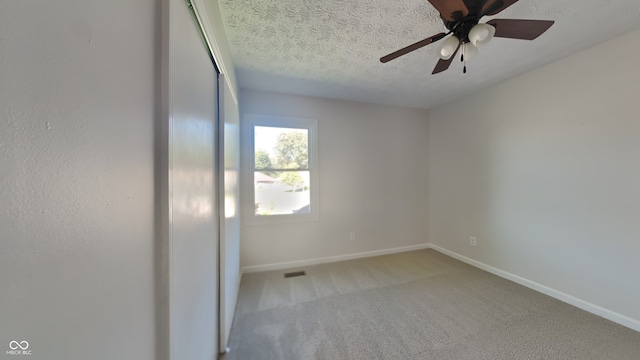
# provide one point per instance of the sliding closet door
(230, 211)
(193, 223)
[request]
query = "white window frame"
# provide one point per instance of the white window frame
(311, 125)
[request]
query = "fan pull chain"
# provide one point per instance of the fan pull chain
(464, 68)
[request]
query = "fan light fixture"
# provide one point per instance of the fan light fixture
(469, 51)
(481, 34)
(448, 48)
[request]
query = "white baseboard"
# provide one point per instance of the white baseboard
(571, 300)
(330, 259)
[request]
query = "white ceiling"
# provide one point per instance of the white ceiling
(331, 48)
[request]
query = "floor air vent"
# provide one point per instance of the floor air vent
(294, 274)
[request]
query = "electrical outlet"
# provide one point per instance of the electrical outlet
(472, 240)
(352, 236)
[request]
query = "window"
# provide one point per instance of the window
(283, 169)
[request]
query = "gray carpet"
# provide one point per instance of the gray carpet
(414, 305)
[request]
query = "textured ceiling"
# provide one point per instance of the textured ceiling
(331, 48)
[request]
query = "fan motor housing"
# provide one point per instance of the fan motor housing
(461, 28)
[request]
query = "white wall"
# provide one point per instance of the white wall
(77, 110)
(373, 180)
(543, 169)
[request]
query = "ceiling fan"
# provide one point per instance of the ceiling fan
(462, 19)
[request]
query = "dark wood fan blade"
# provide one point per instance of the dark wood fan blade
(451, 10)
(520, 29)
(475, 6)
(493, 7)
(443, 65)
(412, 47)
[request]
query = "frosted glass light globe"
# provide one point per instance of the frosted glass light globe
(448, 47)
(469, 51)
(481, 34)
